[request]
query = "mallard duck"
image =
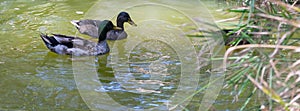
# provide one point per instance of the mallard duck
(90, 27)
(62, 44)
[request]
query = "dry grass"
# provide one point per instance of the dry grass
(273, 63)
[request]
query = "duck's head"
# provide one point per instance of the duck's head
(124, 17)
(104, 27)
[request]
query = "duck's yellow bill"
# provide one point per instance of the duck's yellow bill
(131, 22)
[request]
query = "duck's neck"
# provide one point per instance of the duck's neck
(120, 24)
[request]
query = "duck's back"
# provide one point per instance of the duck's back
(89, 22)
(116, 35)
(62, 44)
(88, 26)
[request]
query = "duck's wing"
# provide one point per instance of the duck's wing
(62, 44)
(57, 45)
(88, 27)
(116, 35)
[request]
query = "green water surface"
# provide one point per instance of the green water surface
(33, 78)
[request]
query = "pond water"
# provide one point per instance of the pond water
(154, 67)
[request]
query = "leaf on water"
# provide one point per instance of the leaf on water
(79, 12)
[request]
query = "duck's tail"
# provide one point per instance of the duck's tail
(48, 40)
(75, 23)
